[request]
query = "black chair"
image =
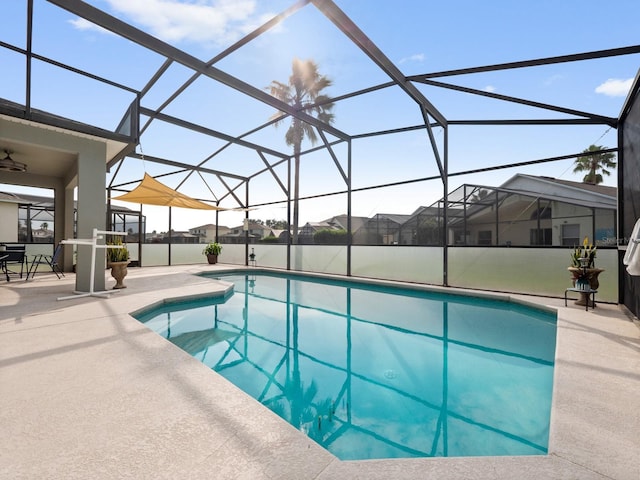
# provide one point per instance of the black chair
(3, 266)
(13, 255)
(44, 259)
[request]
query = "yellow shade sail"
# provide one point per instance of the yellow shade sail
(152, 192)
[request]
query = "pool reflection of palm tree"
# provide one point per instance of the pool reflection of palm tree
(297, 406)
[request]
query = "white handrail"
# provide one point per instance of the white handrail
(93, 242)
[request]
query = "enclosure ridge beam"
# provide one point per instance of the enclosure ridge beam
(185, 166)
(533, 121)
(363, 91)
(532, 63)
(612, 122)
(357, 36)
(123, 29)
(305, 152)
(243, 41)
(208, 131)
(64, 66)
(527, 163)
(559, 121)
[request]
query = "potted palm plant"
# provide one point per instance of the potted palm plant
(212, 250)
(118, 259)
(584, 273)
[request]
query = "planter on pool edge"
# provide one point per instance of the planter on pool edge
(119, 271)
(591, 275)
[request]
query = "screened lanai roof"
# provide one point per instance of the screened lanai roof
(466, 198)
(194, 115)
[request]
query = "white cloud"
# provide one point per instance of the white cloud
(416, 57)
(553, 79)
(490, 88)
(615, 87)
(82, 24)
(197, 21)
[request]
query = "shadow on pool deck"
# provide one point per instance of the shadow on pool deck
(89, 392)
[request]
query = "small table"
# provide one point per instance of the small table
(585, 293)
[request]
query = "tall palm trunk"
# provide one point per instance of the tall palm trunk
(303, 93)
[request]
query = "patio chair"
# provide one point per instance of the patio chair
(44, 259)
(13, 255)
(3, 266)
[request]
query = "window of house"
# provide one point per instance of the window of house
(540, 236)
(484, 237)
(461, 237)
(571, 234)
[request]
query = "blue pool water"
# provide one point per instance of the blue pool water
(378, 372)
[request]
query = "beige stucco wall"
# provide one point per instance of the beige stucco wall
(8, 222)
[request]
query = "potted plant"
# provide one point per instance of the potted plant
(212, 250)
(118, 259)
(584, 274)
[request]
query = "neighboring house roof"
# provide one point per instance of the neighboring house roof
(208, 226)
(277, 232)
(340, 221)
(252, 226)
(425, 211)
(392, 217)
(601, 189)
(240, 234)
(7, 197)
(119, 208)
(26, 198)
(319, 226)
(579, 193)
(181, 235)
(40, 201)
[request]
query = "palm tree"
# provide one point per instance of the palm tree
(303, 93)
(593, 160)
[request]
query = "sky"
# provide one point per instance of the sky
(419, 36)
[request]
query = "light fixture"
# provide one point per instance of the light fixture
(8, 164)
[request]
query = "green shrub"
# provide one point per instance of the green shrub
(331, 237)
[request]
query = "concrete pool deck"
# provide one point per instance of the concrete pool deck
(86, 391)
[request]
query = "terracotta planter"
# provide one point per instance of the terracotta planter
(211, 258)
(591, 274)
(119, 271)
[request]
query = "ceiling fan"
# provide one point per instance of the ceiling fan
(8, 164)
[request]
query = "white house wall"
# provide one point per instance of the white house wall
(566, 214)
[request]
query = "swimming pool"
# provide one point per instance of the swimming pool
(378, 372)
